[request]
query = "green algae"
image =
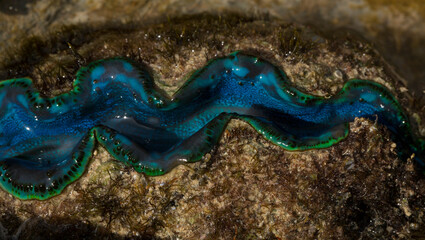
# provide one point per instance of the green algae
(248, 188)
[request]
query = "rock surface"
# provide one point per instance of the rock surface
(247, 188)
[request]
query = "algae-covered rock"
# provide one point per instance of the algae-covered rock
(247, 188)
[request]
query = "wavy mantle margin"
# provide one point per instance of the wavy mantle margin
(46, 143)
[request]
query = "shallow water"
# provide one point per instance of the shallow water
(397, 29)
(248, 187)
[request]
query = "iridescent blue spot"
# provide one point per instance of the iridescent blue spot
(128, 67)
(97, 72)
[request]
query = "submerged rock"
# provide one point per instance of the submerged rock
(247, 188)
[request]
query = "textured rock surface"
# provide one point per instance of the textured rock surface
(397, 28)
(247, 188)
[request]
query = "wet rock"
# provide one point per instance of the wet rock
(247, 188)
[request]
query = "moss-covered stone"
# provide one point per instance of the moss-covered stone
(247, 188)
